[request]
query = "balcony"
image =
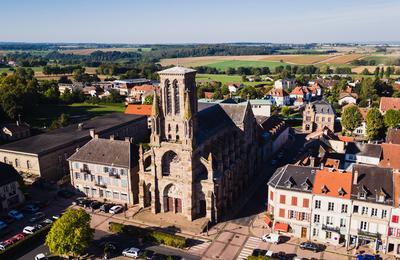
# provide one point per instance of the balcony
(100, 184)
(331, 228)
(368, 234)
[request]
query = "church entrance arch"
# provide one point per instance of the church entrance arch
(172, 199)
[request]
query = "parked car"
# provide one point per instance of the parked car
(37, 217)
(147, 254)
(19, 236)
(30, 208)
(116, 209)
(40, 256)
(46, 222)
(65, 194)
(132, 252)
(83, 202)
(259, 252)
(95, 205)
(311, 246)
(56, 216)
(29, 230)
(7, 219)
(3, 225)
(367, 257)
(272, 238)
(106, 207)
(15, 214)
(4, 245)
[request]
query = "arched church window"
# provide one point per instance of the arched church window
(176, 97)
(168, 92)
(169, 127)
(177, 128)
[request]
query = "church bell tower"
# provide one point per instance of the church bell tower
(172, 113)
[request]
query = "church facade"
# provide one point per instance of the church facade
(201, 157)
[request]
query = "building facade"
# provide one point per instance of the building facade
(10, 193)
(199, 161)
(318, 115)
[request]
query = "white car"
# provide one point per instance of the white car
(29, 230)
(40, 256)
(116, 209)
(132, 252)
(272, 238)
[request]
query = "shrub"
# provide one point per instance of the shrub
(258, 257)
(158, 237)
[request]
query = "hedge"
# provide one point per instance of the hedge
(23, 244)
(251, 257)
(155, 236)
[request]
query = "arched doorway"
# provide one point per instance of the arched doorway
(172, 199)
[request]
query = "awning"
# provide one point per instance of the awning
(267, 220)
(281, 227)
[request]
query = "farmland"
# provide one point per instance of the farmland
(89, 51)
(225, 79)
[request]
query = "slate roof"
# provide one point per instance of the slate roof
(323, 107)
(212, 118)
(373, 180)
(299, 176)
(8, 174)
(14, 127)
(53, 140)
(361, 149)
(105, 152)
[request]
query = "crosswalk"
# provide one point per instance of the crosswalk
(251, 244)
(200, 248)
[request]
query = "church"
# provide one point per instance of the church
(201, 157)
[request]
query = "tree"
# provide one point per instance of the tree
(70, 234)
(285, 111)
(148, 100)
(375, 124)
(392, 118)
(351, 118)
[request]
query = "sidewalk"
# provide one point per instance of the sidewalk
(258, 228)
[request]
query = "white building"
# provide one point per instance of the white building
(287, 83)
(261, 107)
(278, 97)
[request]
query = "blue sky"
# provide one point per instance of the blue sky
(201, 21)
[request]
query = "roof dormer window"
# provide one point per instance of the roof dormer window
(290, 182)
(306, 185)
(324, 189)
(341, 191)
(381, 196)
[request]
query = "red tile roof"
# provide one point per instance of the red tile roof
(388, 103)
(138, 109)
(330, 182)
(208, 95)
(346, 138)
(144, 88)
(390, 156)
(278, 92)
(297, 91)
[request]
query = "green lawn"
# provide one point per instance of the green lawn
(46, 113)
(242, 63)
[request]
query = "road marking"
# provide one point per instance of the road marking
(200, 248)
(251, 244)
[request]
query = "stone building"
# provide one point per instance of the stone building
(10, 191)
(317, 115)
(201, 156)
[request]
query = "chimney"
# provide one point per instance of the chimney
(112, 137)
(355, 177)
(92, 132)
(96, 136)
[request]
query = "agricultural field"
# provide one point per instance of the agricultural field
(263, 60)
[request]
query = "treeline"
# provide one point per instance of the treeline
(51, 70)
(363, 62)
(133, 70)
(94, 58)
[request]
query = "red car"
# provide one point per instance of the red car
(19, 236)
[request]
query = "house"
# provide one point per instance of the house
(10, 191)
(318, 115)
(139, 93)
(388, 103)
(301, 92)
(90, 91)
(363, 153)
(62, 87)
(347, 98)
(106, 169)
(360, 131)
(125, 86)
(234, 87)
(45, 155)
(393, 136)
(14, 131)
(372, 196)
(275, 134)
(315, 90)
(390, 156)
(290, 200)
(261, 107)
(331, 206)
(286, 83)
(278, 97)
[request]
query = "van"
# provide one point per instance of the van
(272, 238)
